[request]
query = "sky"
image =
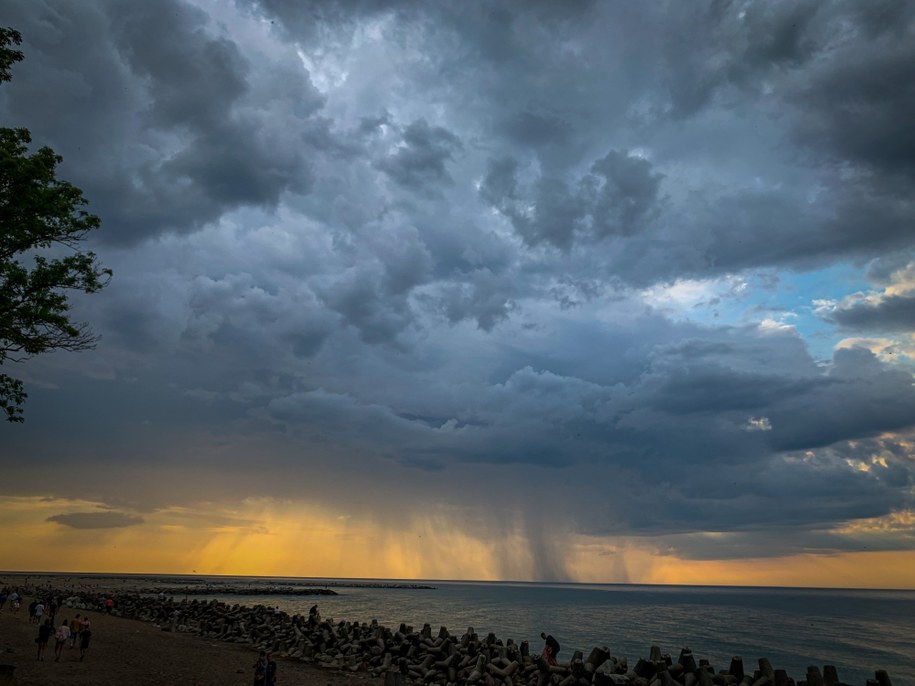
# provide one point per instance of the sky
(587, 291)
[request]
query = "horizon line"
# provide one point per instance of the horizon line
(201, 575)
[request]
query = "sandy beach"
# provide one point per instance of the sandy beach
(130, 652)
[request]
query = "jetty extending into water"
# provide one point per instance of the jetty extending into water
(407, 657)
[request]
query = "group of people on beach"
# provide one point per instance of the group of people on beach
(14, 598)
(43, 612)
(265, 670)
(76, 630)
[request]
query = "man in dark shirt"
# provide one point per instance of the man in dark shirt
(271, 671)
(550, 649)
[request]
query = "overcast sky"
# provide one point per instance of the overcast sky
(607, 291)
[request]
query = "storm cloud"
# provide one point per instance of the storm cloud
(580, 269)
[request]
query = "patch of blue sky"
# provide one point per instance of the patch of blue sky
(767, 297)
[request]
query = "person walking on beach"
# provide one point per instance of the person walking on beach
(550, 648)
(74, 630)
(61, 636)
(39, 612)
(271, 671)
(44, 634)
(260, 669)
(85, 633)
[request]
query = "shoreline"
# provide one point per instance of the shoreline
(405, 657)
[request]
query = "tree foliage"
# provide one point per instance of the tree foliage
(8, 54)
(42, 223)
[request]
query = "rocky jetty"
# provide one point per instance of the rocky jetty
(406, 657)
(237, 590)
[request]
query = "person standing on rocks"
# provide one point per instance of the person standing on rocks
(550, 648)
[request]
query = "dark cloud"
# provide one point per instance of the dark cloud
(418, 162)
(625, 193)
(96, 520)
(889, 313)
(536, 129)
(485, 298)
(860, 398)
(169, 131)
(193, 80)
(618, 197)
(358, 300)
(856, 104)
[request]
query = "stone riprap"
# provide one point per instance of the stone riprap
(406, 657)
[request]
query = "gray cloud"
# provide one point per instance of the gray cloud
(419, 161)
(618, 197)
(96, 520)
(192, 137)
(890, 313)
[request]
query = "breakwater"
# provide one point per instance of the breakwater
(409, 657)
(238, 590)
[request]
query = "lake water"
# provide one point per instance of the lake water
(858, 631)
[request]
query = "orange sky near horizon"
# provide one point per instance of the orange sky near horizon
(271, 538)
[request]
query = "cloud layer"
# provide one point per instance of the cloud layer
(602, 269)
